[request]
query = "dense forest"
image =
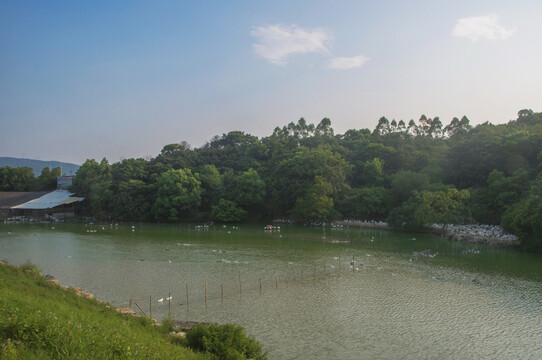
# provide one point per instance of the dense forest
(409, 174)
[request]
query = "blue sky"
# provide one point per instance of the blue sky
(121, 79)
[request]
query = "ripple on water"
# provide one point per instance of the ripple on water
(390, 308)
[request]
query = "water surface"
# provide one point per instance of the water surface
(296, 290)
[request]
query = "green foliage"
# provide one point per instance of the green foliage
(48, 178)
(373, 172)
(40, 320)
(316, 203)
(364, 203)
(236, 150)
(175, 156)
(524, 218)
(17, 179)
(227, 211)
(88, 174)
(247, 190)
(132, 200)
(427, 207)
(294, 177)
(403, 171)
(224, 342)
(179, 193)
(100, 196)
(404, 182)
(211, 186)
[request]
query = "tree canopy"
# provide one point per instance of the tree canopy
(410, 173)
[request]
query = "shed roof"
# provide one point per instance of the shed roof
(9, 199)
(50, 200)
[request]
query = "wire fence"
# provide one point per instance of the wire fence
(203, 292)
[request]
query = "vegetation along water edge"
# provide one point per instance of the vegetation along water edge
(41, 320)
(408, 174)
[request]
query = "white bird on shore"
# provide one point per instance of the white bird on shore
(169, 298)
(160, 300)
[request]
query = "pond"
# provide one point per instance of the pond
(306, 293)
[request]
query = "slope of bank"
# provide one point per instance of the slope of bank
(40, 320)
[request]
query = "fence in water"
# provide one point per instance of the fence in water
(212, 290)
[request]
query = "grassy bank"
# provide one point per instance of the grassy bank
(40, 320)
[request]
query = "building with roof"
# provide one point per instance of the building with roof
(59, 204)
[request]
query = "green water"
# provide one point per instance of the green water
(461, 301)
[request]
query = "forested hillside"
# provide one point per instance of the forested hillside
(410, 174)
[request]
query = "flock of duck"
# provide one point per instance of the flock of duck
(161, 300)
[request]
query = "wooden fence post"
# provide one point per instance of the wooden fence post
(140, 309)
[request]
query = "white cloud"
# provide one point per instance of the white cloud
(345, 63)
(481, 27)
(277, 42)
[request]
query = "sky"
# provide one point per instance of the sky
(122, 79)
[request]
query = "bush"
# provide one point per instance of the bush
(225, 342)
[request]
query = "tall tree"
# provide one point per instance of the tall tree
(247, 190)
(48, 178)
(316, 203)
(295, 176)
(211, 186)
(178, 194)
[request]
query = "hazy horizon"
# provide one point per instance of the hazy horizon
(123, 79)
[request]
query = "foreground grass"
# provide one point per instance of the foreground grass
(40, 320)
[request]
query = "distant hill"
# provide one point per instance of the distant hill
(38, 165)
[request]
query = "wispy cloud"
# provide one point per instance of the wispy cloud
(277, 42)
(482, 27)
(345, 63)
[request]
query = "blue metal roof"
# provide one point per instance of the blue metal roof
(50, 200)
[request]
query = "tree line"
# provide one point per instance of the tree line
(409, 174)
(23, 179)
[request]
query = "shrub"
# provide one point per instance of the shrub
(225, 342)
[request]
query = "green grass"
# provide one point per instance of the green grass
(40, 320)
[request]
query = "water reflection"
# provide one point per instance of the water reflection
(344, 293)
